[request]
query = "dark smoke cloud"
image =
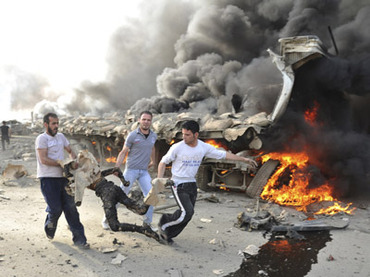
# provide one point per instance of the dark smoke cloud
(201, 55)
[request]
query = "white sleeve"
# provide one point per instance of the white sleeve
(170, 156)
(214, 153)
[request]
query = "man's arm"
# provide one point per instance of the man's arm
(231, 156)
(122, 155)
(70, 152)
(161, 169)
(152, 158)
(44, 159)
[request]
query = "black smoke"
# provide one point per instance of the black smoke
(202, 54)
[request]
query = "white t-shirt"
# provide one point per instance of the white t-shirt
(186, 159)
(55, 146)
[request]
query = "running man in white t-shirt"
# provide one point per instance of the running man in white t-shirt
(186, 157)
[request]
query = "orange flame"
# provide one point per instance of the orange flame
(110, 159)
(216, 144)
(295, 190)
(336, 208)
(310, 115)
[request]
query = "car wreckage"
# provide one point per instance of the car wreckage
(104, 136)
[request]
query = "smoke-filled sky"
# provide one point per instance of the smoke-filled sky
(88, 57)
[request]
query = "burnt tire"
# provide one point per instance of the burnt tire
(204, 176)
(259, 181)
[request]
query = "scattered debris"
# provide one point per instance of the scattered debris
(13, 171)
(216, 241)
(218, 271)
(262, 272)
(206, 220)
(213, 241)
(330, 258)
(312, 225)
(4, 197)
(250, 250)
(115, 241)
(106, 250)
(256, 221)
(118, 259)
(212, 199)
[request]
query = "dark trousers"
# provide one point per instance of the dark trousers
(185, 195)
(3, 140)
(58, 201)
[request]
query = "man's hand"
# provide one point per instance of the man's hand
(251, 162)
(117, 171)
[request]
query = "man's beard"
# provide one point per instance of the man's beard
(51, 131)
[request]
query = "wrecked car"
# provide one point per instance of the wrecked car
(104, 136)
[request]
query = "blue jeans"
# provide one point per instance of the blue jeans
(58, 201)
(144, 179)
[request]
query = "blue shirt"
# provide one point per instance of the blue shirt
(140, 149)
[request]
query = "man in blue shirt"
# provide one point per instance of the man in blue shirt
(138, 155)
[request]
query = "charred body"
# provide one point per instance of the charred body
(109, 193)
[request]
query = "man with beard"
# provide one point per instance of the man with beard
(50, 147)
(139, 149)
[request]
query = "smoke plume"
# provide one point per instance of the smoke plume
(204, 55)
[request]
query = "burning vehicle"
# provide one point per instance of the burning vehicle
(237, 132)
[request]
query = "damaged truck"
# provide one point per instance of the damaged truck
(237, 132)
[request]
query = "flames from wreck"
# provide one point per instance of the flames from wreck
(290, 185)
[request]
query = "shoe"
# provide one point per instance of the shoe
(163, 238)
(50, 231)
(147, 226)
(105, 224)
(83, 245)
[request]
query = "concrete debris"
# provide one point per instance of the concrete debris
(217, 241)
(218, 271)
(212, 198)
(4, 197)
(108, 250)
(250, 250)
(213, 241)
(13, 171)
(118, 259)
